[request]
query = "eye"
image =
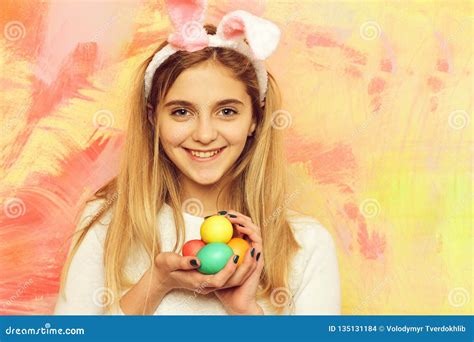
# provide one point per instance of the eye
(228, 112)
(180, 112)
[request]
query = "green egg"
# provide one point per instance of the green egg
(214, 257)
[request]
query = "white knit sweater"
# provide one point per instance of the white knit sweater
(314, 287)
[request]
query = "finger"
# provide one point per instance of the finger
(243, 271)
(241, 219)
(239, 223)
(256, 272)
(237, 220)
(236, 213)
(253, 227)
(173, 262)
(251, 234)
(236, 233)
(253, 237)
(220, 278)
(189, 263)
(260, 265)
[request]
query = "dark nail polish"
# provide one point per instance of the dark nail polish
(240, 224)
(222, 212)
(252, 252)
(207, 217)
(236, 259)
(193, 262)
(258, 256)
(232, 216)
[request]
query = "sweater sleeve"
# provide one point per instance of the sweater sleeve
(84, 291)
(319, 290)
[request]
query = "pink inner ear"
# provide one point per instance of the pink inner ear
(183, 11)
(233, 28)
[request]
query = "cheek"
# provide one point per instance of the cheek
(173, 134)
(235, 135)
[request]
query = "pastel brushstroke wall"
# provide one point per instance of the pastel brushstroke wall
(377, 113)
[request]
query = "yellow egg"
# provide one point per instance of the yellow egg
(240, 247)
(216, 228)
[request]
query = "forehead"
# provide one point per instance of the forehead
(207, 82)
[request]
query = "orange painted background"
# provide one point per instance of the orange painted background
(377, 113)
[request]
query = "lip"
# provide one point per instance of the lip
(199, 159)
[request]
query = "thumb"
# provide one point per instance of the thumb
(173, 262)
(189, 263)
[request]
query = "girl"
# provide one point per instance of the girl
(201, 135)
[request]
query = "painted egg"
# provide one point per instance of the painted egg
(214, 257)
(216, 228)
(239, 247)
(192, 247)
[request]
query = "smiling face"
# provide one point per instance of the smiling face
(204, 122)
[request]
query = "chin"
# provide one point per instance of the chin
(206, 179)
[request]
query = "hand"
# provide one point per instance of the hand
(173, 271)
(170, 271)
(241, 299)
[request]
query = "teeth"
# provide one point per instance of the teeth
(204, 154)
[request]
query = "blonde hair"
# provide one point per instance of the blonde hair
(257, 181)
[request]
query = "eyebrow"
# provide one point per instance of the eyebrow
(190, 104)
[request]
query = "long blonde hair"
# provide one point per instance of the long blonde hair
(147, 179)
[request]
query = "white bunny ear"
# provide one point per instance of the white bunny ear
(262, 35)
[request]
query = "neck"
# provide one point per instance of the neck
(205, 194)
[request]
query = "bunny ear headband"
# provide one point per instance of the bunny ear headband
(187, 17)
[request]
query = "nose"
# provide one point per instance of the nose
(204, 132)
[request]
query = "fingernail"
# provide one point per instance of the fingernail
(236, 258)
(207, 216)
(240, 224)
(193, 262)
(258, 256)
(232, 216)
(222, 212)
(252, 252)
